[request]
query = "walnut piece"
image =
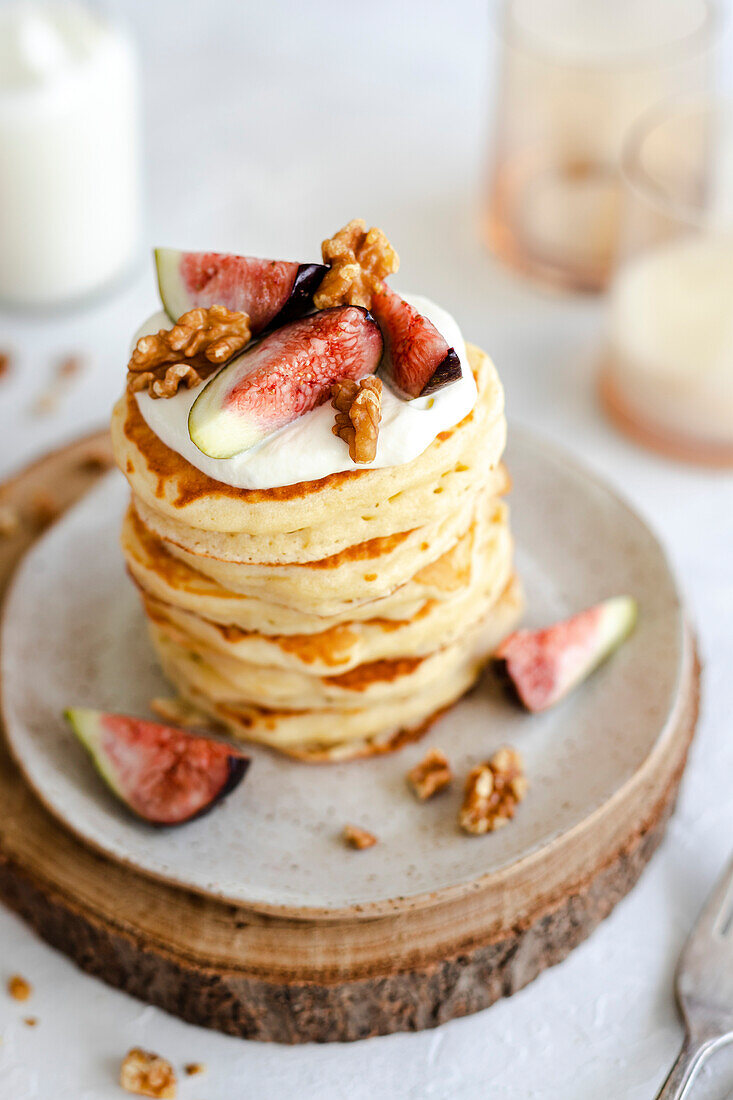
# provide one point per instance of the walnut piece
(147, 1074)
(358, 261)
(19, 989)
(493, 792)
(358, 408)
(358, 838)
(188, 353)
(431, 775)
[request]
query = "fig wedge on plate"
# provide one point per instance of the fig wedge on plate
(287, 373)
(165, 775)
(417, 360)
(540, 667)
(271, 292)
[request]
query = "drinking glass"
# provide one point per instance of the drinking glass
(668, 364)
(574, 75)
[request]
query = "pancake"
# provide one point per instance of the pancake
(391, 558)
(158, 573)
(333, 618)
(344, 646)
(317, 735)
(338, 587)
(172, 486)
(321, 544)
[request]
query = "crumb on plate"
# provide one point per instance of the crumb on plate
(358, 838)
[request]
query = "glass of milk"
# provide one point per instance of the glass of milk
(668, 367)
(69, 153)
(574, 75)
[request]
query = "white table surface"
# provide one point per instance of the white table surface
(267, 126)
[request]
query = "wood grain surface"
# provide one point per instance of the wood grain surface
(296, 979)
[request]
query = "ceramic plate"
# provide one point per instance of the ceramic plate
(74, 635)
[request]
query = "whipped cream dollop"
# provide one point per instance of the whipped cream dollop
(307, 449)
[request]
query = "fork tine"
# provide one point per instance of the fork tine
(717, 915)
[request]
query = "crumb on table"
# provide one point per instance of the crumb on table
(19, 989)
(193, 1069)
(67, 367)
(147, 1074)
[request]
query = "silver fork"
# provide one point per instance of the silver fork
(705, 988)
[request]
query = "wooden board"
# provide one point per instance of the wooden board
(295, 979)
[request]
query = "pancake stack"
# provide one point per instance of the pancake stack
(327, 619)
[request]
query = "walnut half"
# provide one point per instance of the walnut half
(188, 353)
(148, 1074)
(358, 408)
(358, 259)
(493, 792)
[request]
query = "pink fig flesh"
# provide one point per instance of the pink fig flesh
(417, 359)
(540, 667)
(288, 373)
(166, 775)
(270, 292)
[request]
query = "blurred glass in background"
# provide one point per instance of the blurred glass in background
(574, 75)
(668, 368)
(69, 152)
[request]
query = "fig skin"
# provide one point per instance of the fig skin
(238, 768)
(281, 377)
(418, 360)
(448, 370)
(237, 279)
(300, 302)
(128, 752)
(538, 668)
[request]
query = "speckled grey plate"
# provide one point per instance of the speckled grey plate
(74, 634)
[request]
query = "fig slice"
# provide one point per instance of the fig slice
(287, 373)
(271, 292)
(417, 360)
(165, 775)
(540, 667)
